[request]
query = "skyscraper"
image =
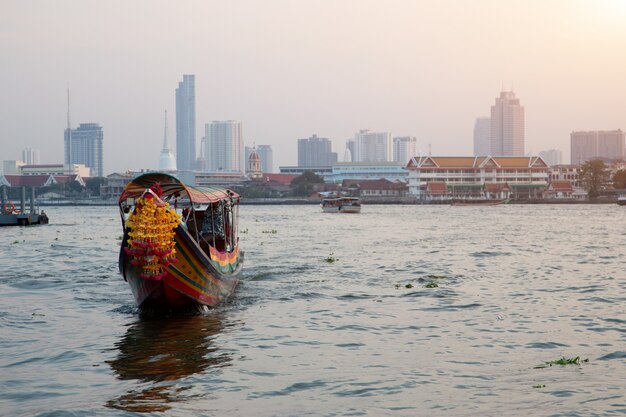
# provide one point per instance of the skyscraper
(372, 146)
(404, 148)
(267, 158)
(30, 156)
(507, 126)
(224, 146)
(84, 146)
(482, 136)
(601, 144)
(167, 161)
(315, 152)
(186, 123)
(349, 155)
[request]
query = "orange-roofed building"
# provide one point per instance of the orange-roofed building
(472, 176)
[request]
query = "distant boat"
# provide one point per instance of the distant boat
(621, 200)
(341, 205)
(180, 247)
(19, 215)
(478, 202)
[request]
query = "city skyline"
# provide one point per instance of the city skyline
(424, 86)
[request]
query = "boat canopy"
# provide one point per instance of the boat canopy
(172, 186)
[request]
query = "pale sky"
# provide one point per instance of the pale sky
(288, 69)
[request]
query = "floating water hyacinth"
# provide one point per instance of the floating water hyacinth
(563, 361)
(330, 258)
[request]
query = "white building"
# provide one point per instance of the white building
(12, 167)
(372, 146)
(167, 161)
(482, 136)
(31, 156)
(224, 149)
(507, 126)
(470, 175)
(404, 148)
(56, 169)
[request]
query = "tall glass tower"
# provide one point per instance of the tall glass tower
(186, 123)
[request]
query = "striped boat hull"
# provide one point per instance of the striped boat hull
(195, 279)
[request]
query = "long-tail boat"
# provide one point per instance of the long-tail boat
(180, 247)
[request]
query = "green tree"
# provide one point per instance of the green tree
(593, 175)
(303, 184)
(619, 179)
(93, 185)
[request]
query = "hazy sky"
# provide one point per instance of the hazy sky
(288, 69)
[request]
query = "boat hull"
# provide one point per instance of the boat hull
(193, 280)
(349, 209)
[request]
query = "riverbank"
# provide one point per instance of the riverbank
(305, 201)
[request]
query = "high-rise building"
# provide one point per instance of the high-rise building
(85, 146)
(551, 156)
(167, 161)
(315, 152)
(350, 146)
(372, 146)
(186, 123)
(404, 148)
(482, 136)
(267, 158)
(507, 126)
(600, 144)
(31, 156)
(224, 146)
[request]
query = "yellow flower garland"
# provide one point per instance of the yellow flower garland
(151, 243)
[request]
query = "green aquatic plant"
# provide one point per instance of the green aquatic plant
(431, 276)
(563, 361)
(331, 258)
(409, 285)
(272, 232)
(431, 285)
(539, 386)
(243, 232)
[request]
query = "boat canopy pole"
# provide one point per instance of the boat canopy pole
(212, 224)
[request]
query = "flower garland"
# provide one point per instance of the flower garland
(151, 243)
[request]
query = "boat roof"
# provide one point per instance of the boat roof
(172, 185)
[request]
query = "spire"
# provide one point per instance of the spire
(166, 147)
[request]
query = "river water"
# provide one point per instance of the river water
(367, 334)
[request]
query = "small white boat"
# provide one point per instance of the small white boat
(621, 200)
(341, 205)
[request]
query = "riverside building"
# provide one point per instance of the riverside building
(470, 176)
